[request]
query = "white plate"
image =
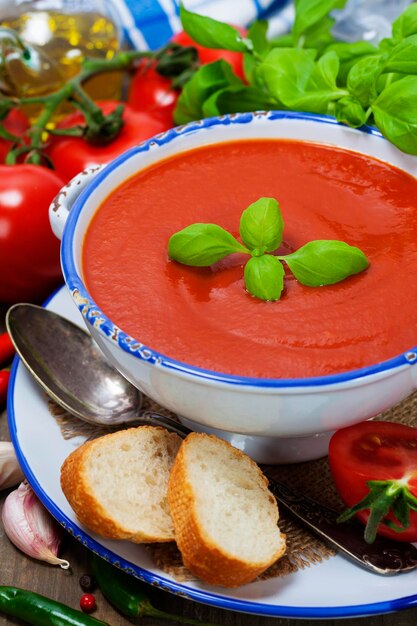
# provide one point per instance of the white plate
(333, 588)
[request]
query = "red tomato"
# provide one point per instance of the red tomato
(71, 155)
(377, 451)
(15, 123)
(29, 251)
(208, 55)
(152, 93)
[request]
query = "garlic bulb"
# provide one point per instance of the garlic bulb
(30, 527)
(10, 471)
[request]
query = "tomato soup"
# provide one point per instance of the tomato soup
(203, 316)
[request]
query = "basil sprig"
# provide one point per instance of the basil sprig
(317, 263)
(308, 70)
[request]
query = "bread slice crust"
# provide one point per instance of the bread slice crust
(201, 554)
(79, 488)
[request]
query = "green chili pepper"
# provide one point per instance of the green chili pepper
(125, 594)
(41, 611)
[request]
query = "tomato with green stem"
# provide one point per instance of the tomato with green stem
(72, 154)
(29, 251)
(374, 467)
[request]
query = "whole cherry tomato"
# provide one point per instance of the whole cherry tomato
(87, 603)
(374, 467)
(15, 123)
(208, 55)
(29, 252)
(71, 155)
(152, 93)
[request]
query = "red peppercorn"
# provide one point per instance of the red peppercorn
(87, 603)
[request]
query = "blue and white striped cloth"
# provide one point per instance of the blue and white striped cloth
(148, 24)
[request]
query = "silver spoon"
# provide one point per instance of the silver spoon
(72, 370)
(70, 367)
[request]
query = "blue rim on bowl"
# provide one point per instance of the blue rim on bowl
(96, 317)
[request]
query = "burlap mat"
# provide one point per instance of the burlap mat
(312, 478)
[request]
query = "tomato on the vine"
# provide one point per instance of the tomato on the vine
(71, 155)
(15, 123)
(29, 251)
(374, 467)
(152, 93)
(209, 55)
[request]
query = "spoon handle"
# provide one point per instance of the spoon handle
(384, 556)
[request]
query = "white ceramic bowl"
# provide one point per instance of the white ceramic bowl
(273, 420)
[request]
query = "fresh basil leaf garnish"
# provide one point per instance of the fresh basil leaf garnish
(201, 245)
(361, 80)
(319, 35)
(286, 71)
(309, 12)
(262, 225)
(293, 76)
(282, 41)
(348, 110)
(211, 33)
(264, 277)
(325, 262)
(395, 113)
(305, 70)
(237, 100)
(317, 263)
(207, 80)
(257, 34)
(403, 57)
(349, 54)
(405, 24)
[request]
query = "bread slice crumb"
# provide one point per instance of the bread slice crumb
(225, 518)
(117, 484)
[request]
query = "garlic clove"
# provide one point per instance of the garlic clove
(30, 527)
(10, 471)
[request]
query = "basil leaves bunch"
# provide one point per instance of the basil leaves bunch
(317, 263)
(308, 70)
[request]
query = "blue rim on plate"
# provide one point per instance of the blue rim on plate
(198, 595)
(95, 316)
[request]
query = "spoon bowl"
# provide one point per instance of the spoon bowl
(70, 367)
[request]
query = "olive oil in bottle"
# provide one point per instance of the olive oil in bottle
(59, 39)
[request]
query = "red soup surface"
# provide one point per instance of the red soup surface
(204, 316)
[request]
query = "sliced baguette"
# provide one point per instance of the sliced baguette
(225, 518)
(117, 484)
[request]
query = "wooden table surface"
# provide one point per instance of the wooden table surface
(21, 571)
